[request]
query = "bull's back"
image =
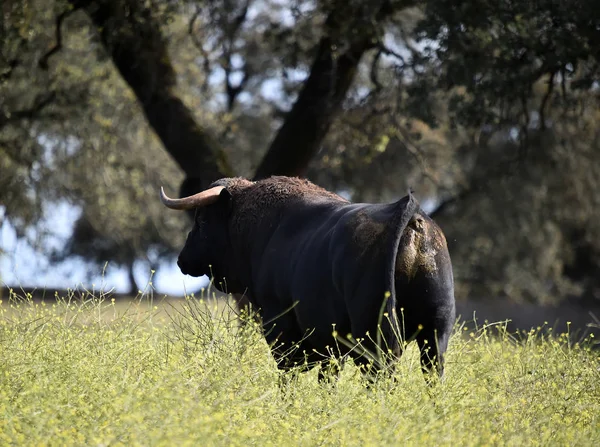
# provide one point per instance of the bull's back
(295, 268)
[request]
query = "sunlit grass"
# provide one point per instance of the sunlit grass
(155, 373)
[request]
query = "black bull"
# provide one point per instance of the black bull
(312, 263)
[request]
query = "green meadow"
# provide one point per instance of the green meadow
(148, 372)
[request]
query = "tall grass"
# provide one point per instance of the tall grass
(98, 373)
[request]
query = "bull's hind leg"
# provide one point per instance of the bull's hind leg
(432, 346)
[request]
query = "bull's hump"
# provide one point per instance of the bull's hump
(277, 190)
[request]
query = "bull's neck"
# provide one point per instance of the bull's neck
(249, 235)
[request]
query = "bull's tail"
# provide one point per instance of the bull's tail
(391, 327)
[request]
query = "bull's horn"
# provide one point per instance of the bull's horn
(199, 200)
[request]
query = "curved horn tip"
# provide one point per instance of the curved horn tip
(166, 200)
(197, 200)
(162, 193)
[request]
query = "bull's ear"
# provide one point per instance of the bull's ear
(225, 201)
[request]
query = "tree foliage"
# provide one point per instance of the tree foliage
(487, 109)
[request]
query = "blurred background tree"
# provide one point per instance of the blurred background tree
(489, 110)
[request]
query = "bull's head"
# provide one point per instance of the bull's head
(208, 240)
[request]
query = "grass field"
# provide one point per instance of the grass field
(154, 373)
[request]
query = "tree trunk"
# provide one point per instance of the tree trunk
(350, 29)
(133, 287)
(305, 127)
(133, 40)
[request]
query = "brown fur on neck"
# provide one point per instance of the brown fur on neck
(253, 201)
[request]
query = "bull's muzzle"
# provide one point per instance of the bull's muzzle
(183, 266)
(190, 268)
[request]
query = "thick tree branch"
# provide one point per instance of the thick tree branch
(545, 101)
(232, 31)
(132, 37)
(43, 63)
(351, 29)
(373, 73)
(389, 52)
